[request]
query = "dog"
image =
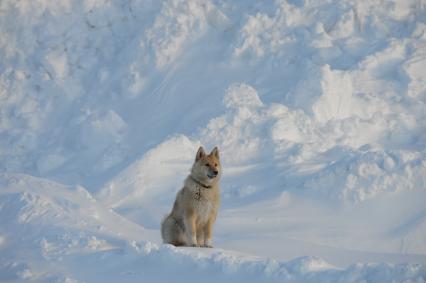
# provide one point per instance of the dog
(190, 223)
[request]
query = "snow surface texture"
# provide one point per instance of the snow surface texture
(318, 108)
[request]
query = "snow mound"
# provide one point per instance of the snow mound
(58, 225)
(367, 174)
(152, 175)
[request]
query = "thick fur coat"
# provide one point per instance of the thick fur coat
(190, 223)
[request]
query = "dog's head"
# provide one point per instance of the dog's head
(207, 166)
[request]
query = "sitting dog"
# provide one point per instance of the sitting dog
(190, 223)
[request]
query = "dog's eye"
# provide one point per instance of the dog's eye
(215, 165)
(207, 164)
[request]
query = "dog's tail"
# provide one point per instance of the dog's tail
(162, 225)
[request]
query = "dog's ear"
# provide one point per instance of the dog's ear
(215, 152)
(200, 153)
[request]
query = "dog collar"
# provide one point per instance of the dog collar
(201, 184)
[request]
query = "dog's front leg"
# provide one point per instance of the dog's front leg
(200, 236)
(208, 229)
(190, 229)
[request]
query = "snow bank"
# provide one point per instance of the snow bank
(92, 79)
(67, 236)
(149, 177)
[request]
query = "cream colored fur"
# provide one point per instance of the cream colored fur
(190, 223)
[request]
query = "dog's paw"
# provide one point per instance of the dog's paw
(208, 243)
(194, 246)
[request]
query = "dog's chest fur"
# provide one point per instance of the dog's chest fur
(203, 202)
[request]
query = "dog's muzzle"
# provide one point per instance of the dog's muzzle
(213, 174)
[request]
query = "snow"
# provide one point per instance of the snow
(317, 107)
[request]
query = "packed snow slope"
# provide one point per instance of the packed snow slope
(318, 109)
